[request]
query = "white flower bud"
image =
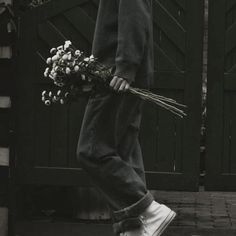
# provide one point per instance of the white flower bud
(54, 64)
(60, 48)
(68, 42)
(78, 53)
(60, 84)
(58, 92)
(49, 60)
(92, 58)
(51, 76)
(45, 74)
(69, 57)
(76, 68)
(83, 76)
(59, 53)
(86, 59)
(65, 57)
(55, 58)
(53, 50)
(44, 93)
(68, 70)
(50, 94)
(54, 75)
(61, 61)
(66, 46)
(47, 102)
(54, 99)
(62, 101)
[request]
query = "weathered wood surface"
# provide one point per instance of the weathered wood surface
(170, 145)
(3, 221)
(221, 126)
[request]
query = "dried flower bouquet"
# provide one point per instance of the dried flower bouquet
(76, 74)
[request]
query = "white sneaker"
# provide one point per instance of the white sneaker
(155, 220)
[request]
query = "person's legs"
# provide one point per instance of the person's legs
(136, 160)
(133, 156)
(109, 151)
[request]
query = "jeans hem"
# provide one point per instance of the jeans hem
(133, 210)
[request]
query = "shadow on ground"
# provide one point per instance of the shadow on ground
(77, 229)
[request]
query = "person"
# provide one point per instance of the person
(108, 147)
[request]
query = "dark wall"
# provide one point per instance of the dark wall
(7, 38)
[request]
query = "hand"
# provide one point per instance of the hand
(119, 84)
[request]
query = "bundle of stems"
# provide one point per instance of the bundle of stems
(75, 73)
(164, 102)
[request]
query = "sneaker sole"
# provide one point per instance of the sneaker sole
(166, 222)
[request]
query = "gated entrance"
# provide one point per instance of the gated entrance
(221, 125)
(47, 136)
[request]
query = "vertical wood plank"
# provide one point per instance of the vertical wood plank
(5, 102)
(59, 136)
(5, 52)
(4, 156)
(232, 160)
(3, 221)
(75, 122)
(227, 140)
(221, 97)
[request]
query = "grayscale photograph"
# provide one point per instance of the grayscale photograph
(118, 117)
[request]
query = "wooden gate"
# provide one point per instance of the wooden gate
(47, 136)
(221, 107)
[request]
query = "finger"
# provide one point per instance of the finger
(127, 86)
(113, 81)
(122, 86)
(118, 83)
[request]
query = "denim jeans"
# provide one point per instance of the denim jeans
(109, 151)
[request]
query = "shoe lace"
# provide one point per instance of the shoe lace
(144, 222)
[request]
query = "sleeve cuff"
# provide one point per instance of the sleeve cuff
(126, 71)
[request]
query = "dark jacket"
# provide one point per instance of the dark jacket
(123, 39)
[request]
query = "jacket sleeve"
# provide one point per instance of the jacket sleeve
(134, 19)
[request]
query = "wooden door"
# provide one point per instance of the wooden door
(171, 145)
(48, 135)
(221, 106)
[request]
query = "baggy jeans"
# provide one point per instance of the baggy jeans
(109, 151)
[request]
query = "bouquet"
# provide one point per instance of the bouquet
(74, 74)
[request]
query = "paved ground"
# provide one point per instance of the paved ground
(199, 214)
(211, 210)
(69, 229)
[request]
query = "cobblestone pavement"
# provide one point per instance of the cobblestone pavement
(199, 214)
(201, 210)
